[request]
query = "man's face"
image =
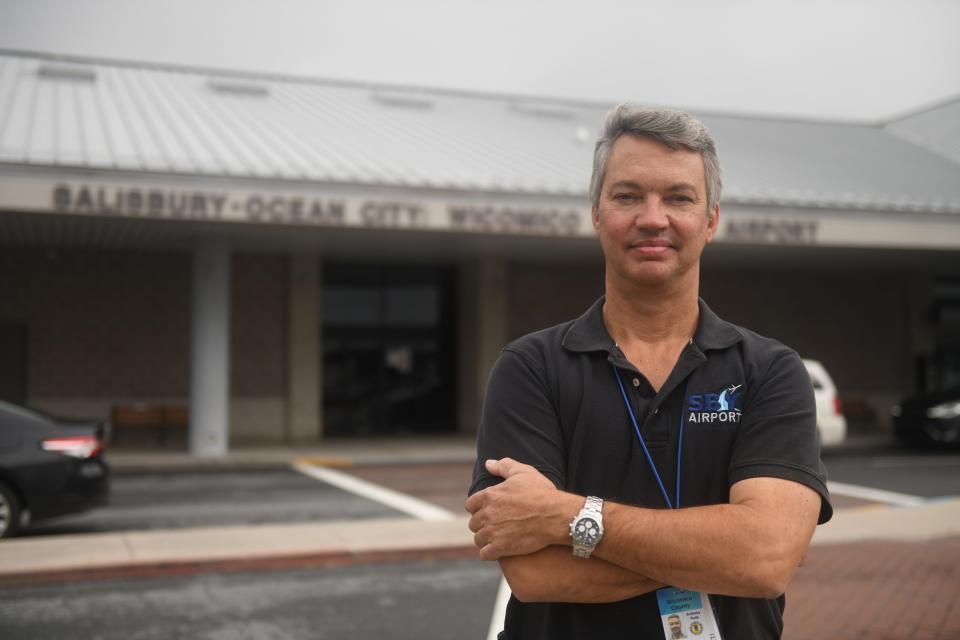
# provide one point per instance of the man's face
(652, 219)
(674, 622)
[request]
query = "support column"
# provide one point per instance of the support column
(483, 333)
(304, 382)
(210, 350)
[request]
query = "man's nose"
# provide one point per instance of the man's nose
(652, 214)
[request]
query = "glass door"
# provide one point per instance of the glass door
(389, 350)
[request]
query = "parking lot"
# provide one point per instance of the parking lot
(180, 499)
(173, 500)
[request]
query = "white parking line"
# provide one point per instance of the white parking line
(876, 495)
(499, 610)
(393, 499)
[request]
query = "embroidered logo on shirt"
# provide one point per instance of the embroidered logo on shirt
(715, 407)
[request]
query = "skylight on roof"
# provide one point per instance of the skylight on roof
(238, 88)
(70, 73)
(403, 99)
(543, 109)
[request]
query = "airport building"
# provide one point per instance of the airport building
(279, 260)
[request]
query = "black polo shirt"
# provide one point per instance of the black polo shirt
(747, 410)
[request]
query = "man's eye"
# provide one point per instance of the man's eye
(624, 197)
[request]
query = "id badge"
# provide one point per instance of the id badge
(687, 614)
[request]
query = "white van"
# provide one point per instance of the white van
(830, 421)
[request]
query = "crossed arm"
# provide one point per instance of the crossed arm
(749, 547)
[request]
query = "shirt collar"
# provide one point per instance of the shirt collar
(713, 332)
(588, 333)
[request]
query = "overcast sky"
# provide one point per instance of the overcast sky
(837, 59)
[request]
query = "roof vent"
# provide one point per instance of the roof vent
(238, 88)
(70, 73)
(403, 99)
(544, 110)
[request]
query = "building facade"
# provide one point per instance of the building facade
(288, 259)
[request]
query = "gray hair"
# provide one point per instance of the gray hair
(673, 128)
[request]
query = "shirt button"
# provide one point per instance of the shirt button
(636, 382)
(656, 411)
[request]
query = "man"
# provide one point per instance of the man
(648, 458)
(676, 628)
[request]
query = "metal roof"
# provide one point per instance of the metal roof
(125, 117)
(936, 129)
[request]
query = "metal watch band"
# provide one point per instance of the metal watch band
(592, 507)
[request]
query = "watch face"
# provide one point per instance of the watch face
(586, 532)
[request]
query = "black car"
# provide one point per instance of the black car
(929, 420)
(48, 466)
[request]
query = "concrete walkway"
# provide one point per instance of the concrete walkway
(108, 555)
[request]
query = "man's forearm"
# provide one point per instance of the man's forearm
(554, 574)
(732, 549)
(749, 547)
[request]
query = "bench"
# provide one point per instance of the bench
(161, 418)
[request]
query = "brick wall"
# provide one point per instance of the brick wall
(258, 342)
(541, 296)
(858, 325)
(100, 324)
(112, 327)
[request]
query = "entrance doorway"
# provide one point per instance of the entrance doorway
(389, 349)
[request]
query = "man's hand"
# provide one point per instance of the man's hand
(521, 515)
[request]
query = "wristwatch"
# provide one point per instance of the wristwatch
(586, 530)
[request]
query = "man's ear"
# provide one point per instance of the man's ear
(713, 221)
(595, 217)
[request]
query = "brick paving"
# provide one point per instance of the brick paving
(877, 590)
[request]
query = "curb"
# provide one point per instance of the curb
(172, 552)
(175, 569)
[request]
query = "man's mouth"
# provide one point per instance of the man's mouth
(651, 247)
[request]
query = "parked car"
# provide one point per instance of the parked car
(48, 466)
(831, 424)
(931, 419)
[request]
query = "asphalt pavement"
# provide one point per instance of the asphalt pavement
(214, 498)
(426, 601)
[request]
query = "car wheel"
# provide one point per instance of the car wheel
(9, 512)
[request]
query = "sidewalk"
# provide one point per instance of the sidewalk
(234, 548)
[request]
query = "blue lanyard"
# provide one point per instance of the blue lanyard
(643, 445)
